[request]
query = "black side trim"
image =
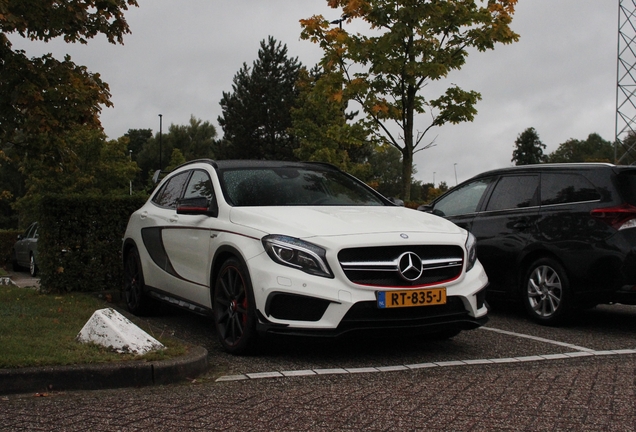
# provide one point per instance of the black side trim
(178, 302)
(154, 246)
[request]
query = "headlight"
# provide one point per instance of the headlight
(471, 251)
(296, 253)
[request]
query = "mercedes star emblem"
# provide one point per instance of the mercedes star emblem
(410, 266)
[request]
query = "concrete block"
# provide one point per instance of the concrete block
(109, 328)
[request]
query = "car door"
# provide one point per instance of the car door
(568, 230)
(460, 205)
(506, 226)
(187, 239)
(22, 246)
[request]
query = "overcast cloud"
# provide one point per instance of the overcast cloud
(560, 78)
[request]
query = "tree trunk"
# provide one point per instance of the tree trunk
(407, 172)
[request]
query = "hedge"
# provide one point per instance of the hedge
(80, 241)
(7, 240)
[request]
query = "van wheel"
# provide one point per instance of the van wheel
(234, 308)
(546, 292)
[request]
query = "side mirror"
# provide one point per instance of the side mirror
(198, 206)
(396, 201)
(155, 176)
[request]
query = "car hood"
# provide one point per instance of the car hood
(324, 221)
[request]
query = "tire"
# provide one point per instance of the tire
(234, 309)
(136, 299)
(546, 292)
(33, 268)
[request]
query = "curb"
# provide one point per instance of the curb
(104, 375)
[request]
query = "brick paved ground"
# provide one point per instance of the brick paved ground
(590, 394)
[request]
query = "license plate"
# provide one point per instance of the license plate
(424, 297)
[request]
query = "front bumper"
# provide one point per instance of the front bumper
(289, 301)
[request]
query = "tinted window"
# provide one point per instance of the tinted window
(170, 192)
(557, 188)
(627, 182)
(199, 185)
(287, 186)
(514, 192)
(31, 231)
(463, 200)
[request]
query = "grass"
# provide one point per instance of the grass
(40, 329)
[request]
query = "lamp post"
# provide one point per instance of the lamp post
(160, 121)
(339, 21)
(455, 168)
(433, 179)
(130, 157)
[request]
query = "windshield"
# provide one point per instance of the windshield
(287, 186)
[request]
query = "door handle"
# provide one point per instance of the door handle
(174, 218)
(521, 226)
(143, 215)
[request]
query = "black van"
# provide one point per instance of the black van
(555, 236)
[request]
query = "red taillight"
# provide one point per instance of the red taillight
(619, 217)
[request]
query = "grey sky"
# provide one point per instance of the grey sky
(560, 78)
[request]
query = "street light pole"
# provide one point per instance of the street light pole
(130, 157)
(455, 168)
(433, 179)
(160, 121)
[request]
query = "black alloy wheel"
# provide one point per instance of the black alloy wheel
(234, 309)
(546, 292)
(136, 300)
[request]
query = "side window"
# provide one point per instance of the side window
(199, 185)
(557, 188)
(30, 232)
(171, 191)
(512, 192)
(463, 200)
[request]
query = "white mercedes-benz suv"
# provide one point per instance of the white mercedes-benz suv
(298, 248)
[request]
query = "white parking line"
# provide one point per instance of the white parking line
(539, 339)
(579, 352)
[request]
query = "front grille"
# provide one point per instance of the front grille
(389, 266)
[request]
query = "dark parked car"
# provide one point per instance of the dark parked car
(555, 236)
(25, 250)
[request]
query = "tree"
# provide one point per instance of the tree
(137, 139)
(195, 140)
(528, 148)
(593, 149)
(43, 100)
(88, 164)
(626, 151)
(319, 123)
(256, 115)
(412, 44)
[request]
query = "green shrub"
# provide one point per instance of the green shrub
(80, 240)
(7, 240)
